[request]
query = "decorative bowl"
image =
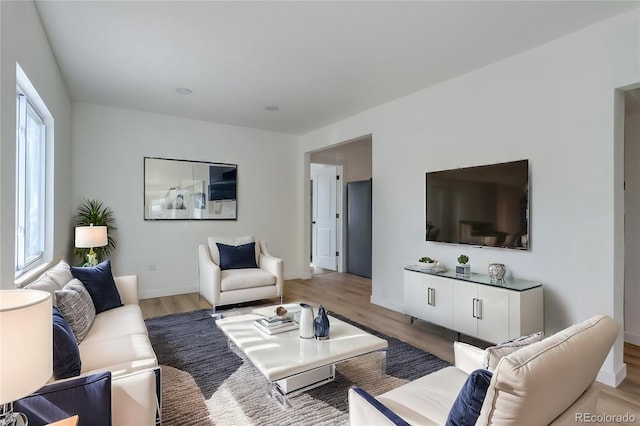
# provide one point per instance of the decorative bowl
(428, 265)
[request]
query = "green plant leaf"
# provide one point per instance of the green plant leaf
(94, 211)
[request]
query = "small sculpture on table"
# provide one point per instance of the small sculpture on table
(321, 324)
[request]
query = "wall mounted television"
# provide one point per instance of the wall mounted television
(485, 205)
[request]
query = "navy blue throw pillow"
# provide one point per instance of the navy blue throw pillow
(89, 397)
(99, 282)
(66, 355)
(466, 408)
(237, 257)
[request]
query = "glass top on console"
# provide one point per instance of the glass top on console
(509, 282)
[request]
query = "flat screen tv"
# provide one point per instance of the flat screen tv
(482, 206)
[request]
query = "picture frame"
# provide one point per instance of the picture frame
(189, 190)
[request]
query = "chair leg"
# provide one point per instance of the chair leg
(216, 315)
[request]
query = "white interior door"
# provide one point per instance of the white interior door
(324, 221)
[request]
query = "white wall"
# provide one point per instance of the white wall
(23, 40)
(553, 105)
(109, 145)
(632, 222)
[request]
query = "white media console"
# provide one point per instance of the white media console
(474, 305)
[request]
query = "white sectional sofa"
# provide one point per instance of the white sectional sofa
(547, 382)
(117, 342)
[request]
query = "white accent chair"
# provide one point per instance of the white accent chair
(222, 287)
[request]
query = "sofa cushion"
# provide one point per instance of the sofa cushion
(76, 306)
(466, 407)
(100, 284)
(121, 355)
(431, 396)
(231, 241)
(66, 356)
(236, 279)
(541, 380)
(117, 322)
(46, 283)
(60, 273)
(237, 257)
(493, 354)
(88, 397)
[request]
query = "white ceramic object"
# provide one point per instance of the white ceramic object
(428, 265)
(306, 321)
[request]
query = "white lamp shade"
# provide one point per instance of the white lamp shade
(26, 342)
(91, 236)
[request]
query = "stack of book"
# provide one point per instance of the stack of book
(275, 325)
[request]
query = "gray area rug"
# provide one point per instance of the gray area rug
(204, 382)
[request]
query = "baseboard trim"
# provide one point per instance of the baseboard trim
(385, 304)
(632, 338)
(612, 379)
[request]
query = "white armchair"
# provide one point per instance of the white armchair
(221, 286)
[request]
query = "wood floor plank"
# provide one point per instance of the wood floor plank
(350, 295)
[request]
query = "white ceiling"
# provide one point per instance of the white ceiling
(318, 61)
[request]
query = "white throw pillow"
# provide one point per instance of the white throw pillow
(493, 354)
(45, 283)
(231, 241)
(61, 273)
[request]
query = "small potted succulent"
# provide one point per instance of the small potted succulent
(427, 262)
(463, 267)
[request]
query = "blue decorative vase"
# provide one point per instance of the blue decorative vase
(321, 324)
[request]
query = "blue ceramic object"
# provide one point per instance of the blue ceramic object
(321, 324)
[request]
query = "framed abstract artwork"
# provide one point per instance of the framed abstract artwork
(189, 190)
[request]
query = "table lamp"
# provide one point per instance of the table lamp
(26, 348)
(90, 237)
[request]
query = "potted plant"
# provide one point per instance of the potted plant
(427, 262)
(96, 213)
(463, 267)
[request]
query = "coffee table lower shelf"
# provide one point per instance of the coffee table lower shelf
(302, 382)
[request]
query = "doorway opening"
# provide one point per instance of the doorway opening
(332, 172)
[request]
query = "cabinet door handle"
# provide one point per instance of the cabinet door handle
(477, 308)
(431, 296)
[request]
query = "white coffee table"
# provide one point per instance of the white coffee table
(293, 364)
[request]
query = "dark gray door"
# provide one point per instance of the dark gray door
(359, 228)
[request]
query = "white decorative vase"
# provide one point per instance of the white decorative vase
(306, 321)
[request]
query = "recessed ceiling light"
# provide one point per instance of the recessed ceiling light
(184, 90)
(272, 108)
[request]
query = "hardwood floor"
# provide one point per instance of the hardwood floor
(349, 295)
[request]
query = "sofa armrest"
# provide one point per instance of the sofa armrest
(273, 265)
(364, 409)
(90, 397)
(208, 276)
(134, 400)
(128, 288)
(467, 357)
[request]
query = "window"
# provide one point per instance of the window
(31, 132)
